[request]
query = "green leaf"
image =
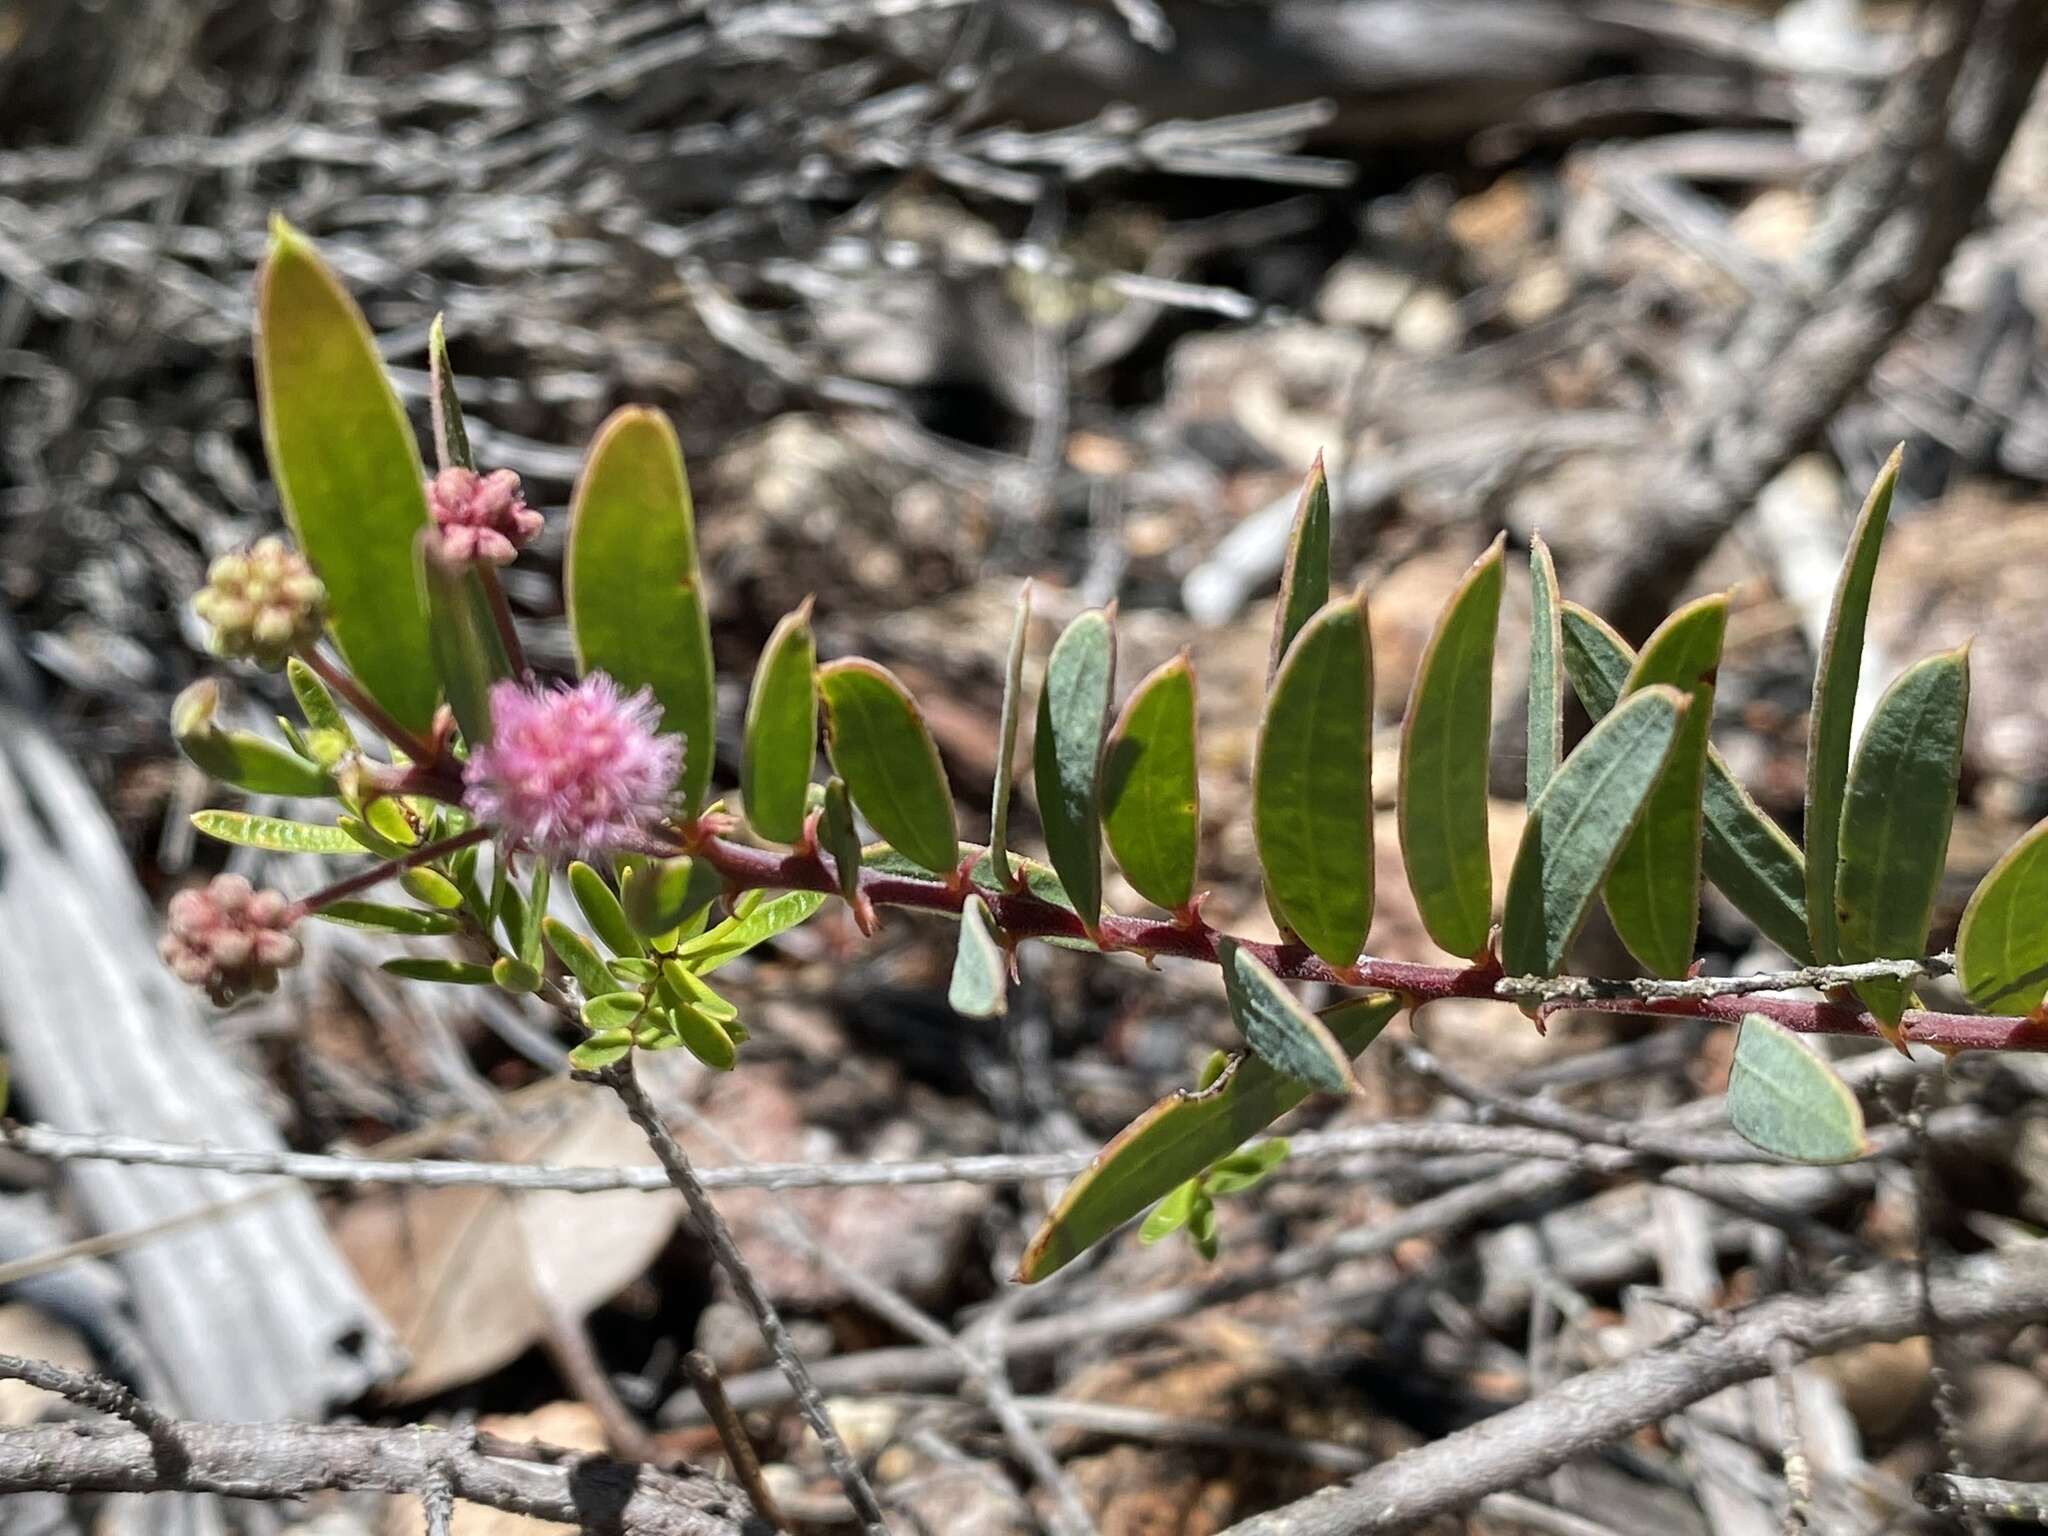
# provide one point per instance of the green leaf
(237, 757)
(1202, 1226)
(1577, 827)
(613, 1010)
(1006, 738)
(1895, 821)
(840, 839)
(600, 1051)
(469, 653)
(1305, 578)
(1786, 1100)
(370, 839)
(536, 909)
(1170, 1214)
(431, 888)
(704, 1038)
(1179, 1137)
(635, 596)
(600, 907)
(632, 971)
(684, 988)
(271, 832)
(2002, 947)
(1546, 674)
(1312, 784)
(451, 438)
(371, 914)
(1279, 1030)
(347, 470)
(662, 894)
(1444, 745)
(736, 935)
(1834, 714)
(578, 956)
(1073, 717)
(1241, 1170)
(981, 971)
(1151, 798)
(324, 719)
(1747, 855)
(879, 745)
(1653, 891)
(460, 973)
(781, 738)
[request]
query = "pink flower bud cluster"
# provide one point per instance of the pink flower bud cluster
(482, 518)
(228, 938)
(572, 771)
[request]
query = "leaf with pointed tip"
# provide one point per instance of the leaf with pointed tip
(635, 596)
(1577, 827)
(1546, 673)
(1833, 720)
(1305, 578)
(237, 757)
(1312, 784)
(1073, 716)
(469, 653)
(273, 833)
(1785, 1099)
(1653, 891)
(780, 742)
(1895, 821)
(840, 838)
(1444, 742)
(981, 972)
(2002, 947)
(1180, 1136)
(601, 909)
(1748, 856)
(1280, 1031)
(409, 921)
(878, 743)
(1151, 800)
(740, 933)
(323, 716)
(347, 470)
(1006, 737)
(459, 973)
(451, 438)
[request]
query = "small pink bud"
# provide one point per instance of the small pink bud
(482, 518)
(228, 938)
(572, 771)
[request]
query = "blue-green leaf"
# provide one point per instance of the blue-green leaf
(1180, 1136)
(1073, 717)
(1577, 826)
(1834, 713)
(981, 971)
(1546, 674)
(1280, 1031)
(1747, 855)
(1151, 798)
(1653, 891)
(637, 609)
(1895, 821)
(1786, 1100)
(1444, 744)
(1312, 784)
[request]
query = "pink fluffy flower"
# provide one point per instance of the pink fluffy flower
(481, 517)
(572, 770)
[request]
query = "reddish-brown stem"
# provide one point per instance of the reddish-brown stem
(501, 615)
(1020, 915)
(362, 880)
(351, 692)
